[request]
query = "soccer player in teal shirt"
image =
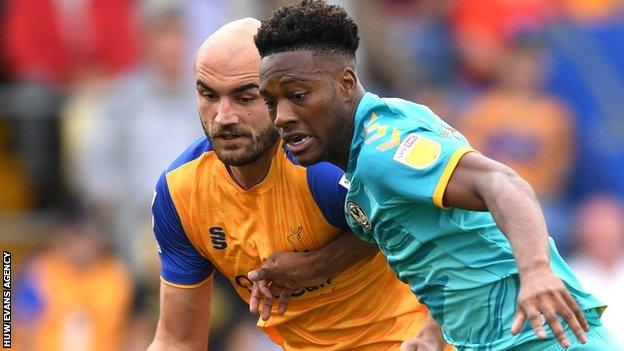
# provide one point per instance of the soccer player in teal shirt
(465, 232)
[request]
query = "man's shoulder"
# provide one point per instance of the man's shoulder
(402, 141)
(192, 153)
(387, 122)
(408, 116)
(178, 174)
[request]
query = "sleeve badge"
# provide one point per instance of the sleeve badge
(418, 152)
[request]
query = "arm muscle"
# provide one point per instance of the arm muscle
(184, 320)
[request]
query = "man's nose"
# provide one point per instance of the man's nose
(226, 113)
(285, 116)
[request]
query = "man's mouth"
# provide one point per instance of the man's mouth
(230, 136)
(296, 139)
(297, 142)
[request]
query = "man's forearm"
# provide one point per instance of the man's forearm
(301, 269)
(517, 213)
(479, 183)
(340, 253)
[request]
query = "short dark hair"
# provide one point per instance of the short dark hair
(308, 25)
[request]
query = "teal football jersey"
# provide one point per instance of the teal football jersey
(457, 262)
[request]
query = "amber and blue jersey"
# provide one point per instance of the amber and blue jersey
(457, 262)
(204, 221)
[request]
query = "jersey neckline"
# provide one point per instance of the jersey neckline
(265, 184)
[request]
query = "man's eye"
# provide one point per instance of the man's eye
(210, 96)
(246, 99)
(299, 96)
(270, 104)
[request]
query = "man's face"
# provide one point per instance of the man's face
(166, 47)
(233, 115)
(302, 94)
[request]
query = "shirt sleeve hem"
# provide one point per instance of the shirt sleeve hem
(188, 286)
(438, 193)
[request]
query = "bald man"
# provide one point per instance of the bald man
(236, 198)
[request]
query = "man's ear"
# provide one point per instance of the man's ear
(348, 83)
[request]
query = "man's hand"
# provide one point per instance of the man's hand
(543, 297)
(285, 272)
(265, 292)
(280, 275)
(291, 270)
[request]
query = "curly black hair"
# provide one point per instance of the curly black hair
(310, 25)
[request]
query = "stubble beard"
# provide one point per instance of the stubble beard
(250, 152)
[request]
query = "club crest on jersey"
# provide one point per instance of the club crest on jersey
(358, 214)
(418, 151)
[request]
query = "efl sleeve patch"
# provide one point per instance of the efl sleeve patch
(418, 152)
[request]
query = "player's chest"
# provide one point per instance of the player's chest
(244, 230)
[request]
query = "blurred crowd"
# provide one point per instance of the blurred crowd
(97, 97)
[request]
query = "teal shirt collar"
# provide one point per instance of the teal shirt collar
(365, 106)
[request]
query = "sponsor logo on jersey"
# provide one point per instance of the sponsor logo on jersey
(356, 212)
(418, 152)
(217, 237)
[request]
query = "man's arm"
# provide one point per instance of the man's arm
(184, 322)
(288, 271)
(300, 269)
(479, 183)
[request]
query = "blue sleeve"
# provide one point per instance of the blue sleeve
(329, 194)
(181, 263)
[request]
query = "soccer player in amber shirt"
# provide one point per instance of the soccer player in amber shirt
(237, 196)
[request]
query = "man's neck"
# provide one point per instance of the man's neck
(252, 174)
(340, 156)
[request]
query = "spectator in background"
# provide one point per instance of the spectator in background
(484, 28)
(73, 295)
(516, 123)
(142, 121)
(586, 51)
(118, 142)
(48, 47)
(599, 259)
(419, 30)
(418, 58)
(58, 42)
